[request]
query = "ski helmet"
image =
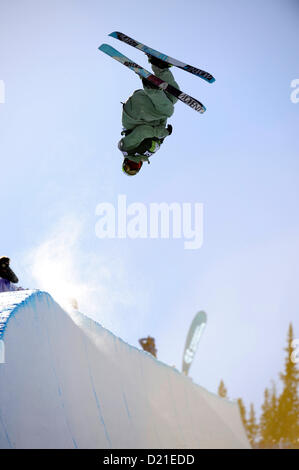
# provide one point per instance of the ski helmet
(131, 168)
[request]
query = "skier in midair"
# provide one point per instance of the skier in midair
(144, 119)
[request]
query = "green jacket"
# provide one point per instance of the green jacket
(147, 111)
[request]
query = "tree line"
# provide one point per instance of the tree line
(278, 426)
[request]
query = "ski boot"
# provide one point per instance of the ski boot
(147, 84)
(158, 62)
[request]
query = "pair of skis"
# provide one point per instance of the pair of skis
(187, 99)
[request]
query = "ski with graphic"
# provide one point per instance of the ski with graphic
(192, 102)
(149, 51)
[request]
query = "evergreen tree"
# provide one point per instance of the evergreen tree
(288, 402)
(279, 422)
(269, 424)
(222, 391)
(264, 420)
(242, 413)
(274, 425)
(252, 427)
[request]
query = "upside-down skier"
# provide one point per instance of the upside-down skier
(146, 112)
(144, 119)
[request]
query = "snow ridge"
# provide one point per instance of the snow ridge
(67, 382)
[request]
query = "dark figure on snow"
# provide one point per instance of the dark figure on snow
(7, 276)
(144, 119)
(148, 344)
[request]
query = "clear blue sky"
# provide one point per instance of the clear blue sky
(58, 133)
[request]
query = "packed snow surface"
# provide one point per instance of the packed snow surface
(67, 382)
